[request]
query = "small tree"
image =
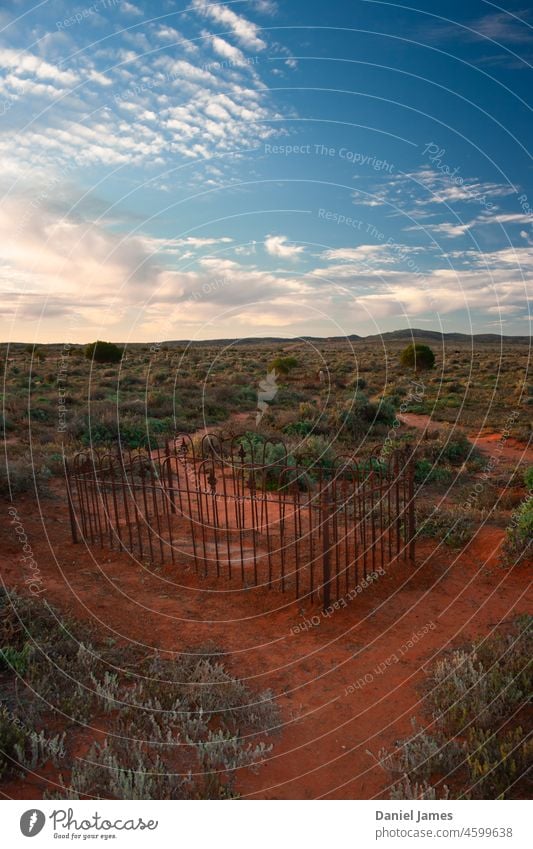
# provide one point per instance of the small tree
(283, 365)
(418, 357)
(35, 352)
(103, 352)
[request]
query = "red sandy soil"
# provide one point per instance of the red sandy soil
(331, 730)
(489, 443)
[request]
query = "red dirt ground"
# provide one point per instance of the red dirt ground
(488, 443)
(332, 730)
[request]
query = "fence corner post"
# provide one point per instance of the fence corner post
(71, 513)
(412, 513)
(326, 563)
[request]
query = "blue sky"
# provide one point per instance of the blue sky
(175, 171)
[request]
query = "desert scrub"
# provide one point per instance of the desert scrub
(519, 535)
(455, 451)
(475, 746)
(451, 526)
(528, 478)
(356, 416)
(55, 659)
(41, 679)
(19, 476)
(174, 728)
(427, 472)
(186, 728)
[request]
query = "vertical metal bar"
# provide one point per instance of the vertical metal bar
(346, 547)
(73, 529)
(398, 503)
(333, 535)
(240, 512)
(105, 502)
(115, 503)
(213, 487)
(266, 520)
(255, 520)
(381, 529)
(326, 566)
(310, 509)
(296, 510)
(190, 511)
(412, 512)
(95, 502)
(364, 520)
(226, 520)
(125, 495)
(167, 507)
(202, 517)
(389, 509)
(356, 517)
(282, 508)
(147, 522)
(171, 496)
(373, 517)
(155, 503)
(80, 489)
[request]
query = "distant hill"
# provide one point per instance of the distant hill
(405, 335)
(437, 336)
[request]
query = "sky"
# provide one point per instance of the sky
(263, 167)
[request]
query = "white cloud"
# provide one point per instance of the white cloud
(246, 32)
(168, 33)
(360, 253)
(459, 228)
(227, 50)
(265, 7)
(131, 9)
(26, 63)
(85, 269)
(277, 246)
(425, 192)
(99, 78)
(201, 242)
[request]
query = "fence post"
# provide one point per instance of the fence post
(71, 514)
(171, 496)
(326, 562)
(411, 513)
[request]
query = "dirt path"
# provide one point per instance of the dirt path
(346, 684)
(490, 444)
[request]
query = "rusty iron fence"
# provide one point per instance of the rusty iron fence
(246, 512)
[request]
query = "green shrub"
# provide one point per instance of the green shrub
(21, 475)
(15, 659)
(298, 428)
(457, 450)
(283, 365)
(103, 352)
(418, 357)
(476, 699)
(177, 728)
(11, 739)
(451, 526)
(355, 417)
(519, 536)
(427, 472)
(315, 449)
(528, 478)
(6, 424)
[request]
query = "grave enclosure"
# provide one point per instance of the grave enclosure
(244, 512)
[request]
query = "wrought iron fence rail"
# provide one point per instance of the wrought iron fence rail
(312, 530)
